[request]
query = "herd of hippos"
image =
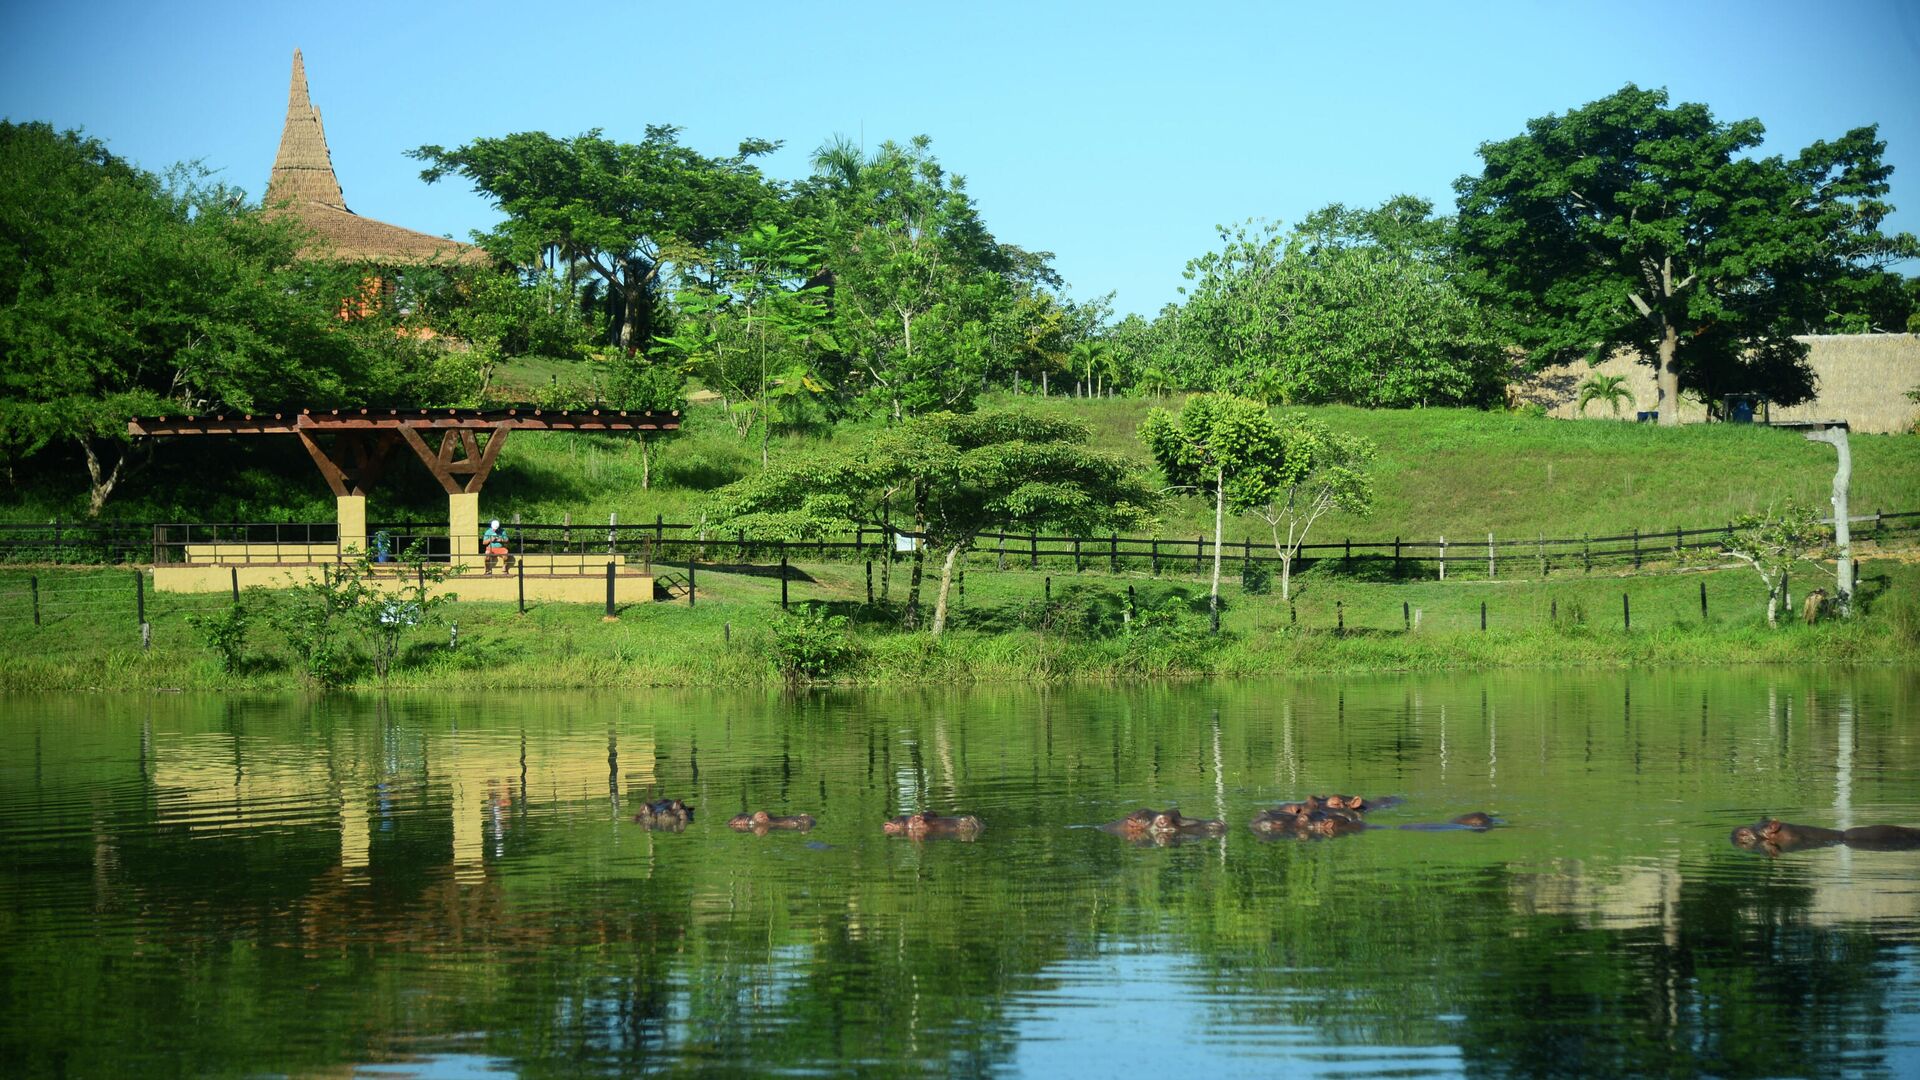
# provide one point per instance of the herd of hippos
(1317, 816)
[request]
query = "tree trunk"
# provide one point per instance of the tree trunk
(1666, 376)
(1773, 605)
(100, 482)
(1219, 523)
(919, 556)
(646, 465)
(1842, 528)
(946, 581)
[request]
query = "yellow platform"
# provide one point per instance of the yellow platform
(547, 585)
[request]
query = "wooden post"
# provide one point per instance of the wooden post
(1199, 553)
(1113, 553)
(1396, 556)
(1443, 558)
(1586, 553)
(1000, 551)
(1048, 586)
(1340, 616)
(1406, 616)
(610, 590)
(869, 582)
(1033, 550)
(1076, 554)
(1626, 613)
(1154, 550)
(1543, 556)
(1246, 555)
(690, 596)
(1490, 558)
(1636, 547)
(566, 528)
(235, 571)
(1483, 616)
(1703, 599)
(520, 572)
(1553, 611)
(33, 585)
(1133, 606)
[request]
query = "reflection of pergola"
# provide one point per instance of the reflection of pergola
(351, 447)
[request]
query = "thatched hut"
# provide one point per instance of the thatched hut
(303, 185)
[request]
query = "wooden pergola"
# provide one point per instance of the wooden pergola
(360, 441)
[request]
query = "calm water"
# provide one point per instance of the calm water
(433, 886)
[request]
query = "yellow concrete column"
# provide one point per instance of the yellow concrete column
(463, 528)
(352, 516)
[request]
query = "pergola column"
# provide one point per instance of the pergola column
(351, 513)
(463, 528)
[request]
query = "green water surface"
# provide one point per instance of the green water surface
(425, 885)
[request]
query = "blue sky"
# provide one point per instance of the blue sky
(1115, 135)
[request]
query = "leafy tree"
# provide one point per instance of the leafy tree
(959, 474)
(632, 213)
(916, 285)
(1212, 442)
(1629, 223)
(1403, 226)
(1309, 470)
(1611, 389)
(755, 330)
(1319, 317)
(1772, 543)
(122, 293)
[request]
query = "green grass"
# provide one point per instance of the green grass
(1453, 472)
(1002, 631)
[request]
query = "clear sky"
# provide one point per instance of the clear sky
(1115, 134)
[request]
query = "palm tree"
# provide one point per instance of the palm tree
(1088, 354)
(1611, 389)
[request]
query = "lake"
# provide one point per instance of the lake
(432, 885)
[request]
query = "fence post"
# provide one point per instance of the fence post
(659, 528)
(869, 582)
(1703, 599)
(235, 571)
(1199, 553)
(783, 575)
(1340, 616)
(1048, 586)
(1396, 556)
(1113, 553)
(610, 589)
(1483, 616)
(1553, 611)
(1490, 558)
(1406, 616)
(1586, 553)
(1000, 551)
(690, 596)
(33, 583)
(1626, 613)
(1543, 556)
(139, 598)
(1679, 542)
(1636, 547)
(1154, 555)
(1133, 606)
(1443, 558)
(520, 573)
(1076, 554)
(1349, 556)
(1246, 555)
(1033, 550)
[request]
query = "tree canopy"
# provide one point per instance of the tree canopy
(1632, 223)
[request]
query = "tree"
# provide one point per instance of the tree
(1210, 443)
(1772, 543)
(1611, 389)
(1323, 316)
(960, 475)
(917, 287)
(1628, 223)
(633, 213)
(123, 293)
(1309, 470)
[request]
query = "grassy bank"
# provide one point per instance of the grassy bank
(1452, 472)
(1011, 626)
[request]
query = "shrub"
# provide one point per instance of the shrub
(225, 632)
(811, 645)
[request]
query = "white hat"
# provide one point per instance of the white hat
(495, 523)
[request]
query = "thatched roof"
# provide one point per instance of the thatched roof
(304, 185)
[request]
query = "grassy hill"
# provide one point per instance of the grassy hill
(1452, 472)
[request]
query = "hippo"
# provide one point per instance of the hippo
(1774, 836)
(927, 824)
(1326, 822)
(761, 822)
(670, 815)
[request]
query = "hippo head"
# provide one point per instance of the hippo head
(761, 817)
(1167, 821)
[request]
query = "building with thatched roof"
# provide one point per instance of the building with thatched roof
(304, 186)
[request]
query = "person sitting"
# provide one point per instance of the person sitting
(493, 543)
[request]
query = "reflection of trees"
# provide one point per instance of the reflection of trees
(502, 890)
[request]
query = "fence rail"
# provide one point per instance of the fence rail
(578, 548)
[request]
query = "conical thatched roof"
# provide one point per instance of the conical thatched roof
(303, 184)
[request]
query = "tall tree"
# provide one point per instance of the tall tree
(1629, 223)
(124, 293)
(960, 475)
(635, 213)
(1212, 442)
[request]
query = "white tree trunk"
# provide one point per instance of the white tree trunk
(946, 582)
(1842, 528)
(1219, 522)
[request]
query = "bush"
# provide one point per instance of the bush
(226, 634)
(1256, 578)
(811, 646)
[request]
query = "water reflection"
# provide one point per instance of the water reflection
(455, 886)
